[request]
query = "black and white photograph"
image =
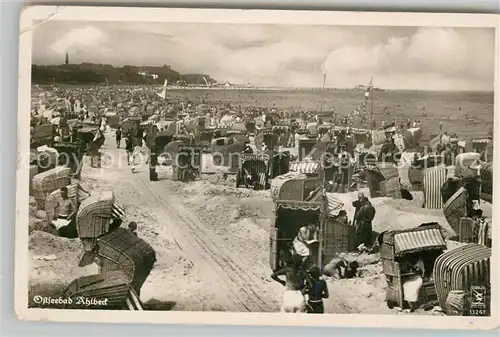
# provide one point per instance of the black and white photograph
(318, 168)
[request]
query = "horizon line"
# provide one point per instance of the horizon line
(358, 87)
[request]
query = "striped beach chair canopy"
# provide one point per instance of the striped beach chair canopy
(304, 206)
(281, 127)
(148, 122)
(255, 157)
(163, 124)
(267, 131)
(334, 204)
(461, 268)
(117, 211)
(419, 239)
(258, 164)
(456, 208)
(465, 160)
(481, 141)
(305, 167)
(234, 131)
(324, 127)
(433, 179)
(132, 302)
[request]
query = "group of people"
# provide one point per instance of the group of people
(303, 278)
(299, 284)
(129, 146)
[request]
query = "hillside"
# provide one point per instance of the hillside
(87, 73)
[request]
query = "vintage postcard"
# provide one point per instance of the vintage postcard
(257, 167)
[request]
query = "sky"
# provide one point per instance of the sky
(424, 58)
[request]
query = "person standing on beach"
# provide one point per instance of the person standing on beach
(357, 206)
(364, 219)
(293, 299)
(129, 147)
(118, 137)
(316, 290)
(414, 269)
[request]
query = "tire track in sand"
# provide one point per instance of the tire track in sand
(239, 288)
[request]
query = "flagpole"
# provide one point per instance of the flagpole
(165, 85)
(322, 92)
(371, 105)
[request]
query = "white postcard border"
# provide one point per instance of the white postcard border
(36, 15)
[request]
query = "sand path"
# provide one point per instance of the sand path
(227, 278)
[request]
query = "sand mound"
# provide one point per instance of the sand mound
(239, 214)
(372, 272)
(359, 295)
(41, 225)
(54, 264)
(220, 201)
(213, 185)
(244, 216)
(41, 243)
(221, 205)
(392, 214)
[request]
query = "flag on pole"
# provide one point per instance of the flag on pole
(323, 87)
(390, 127)
(163, 93)
(369, 89)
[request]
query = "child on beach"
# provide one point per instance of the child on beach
(316, 289)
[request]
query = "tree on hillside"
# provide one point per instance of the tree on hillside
(101, 73)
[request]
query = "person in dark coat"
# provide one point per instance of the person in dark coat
(364, 220)
(129, 147)
(248, 148)
(118, 137)
(344, 172)
(357, 206)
